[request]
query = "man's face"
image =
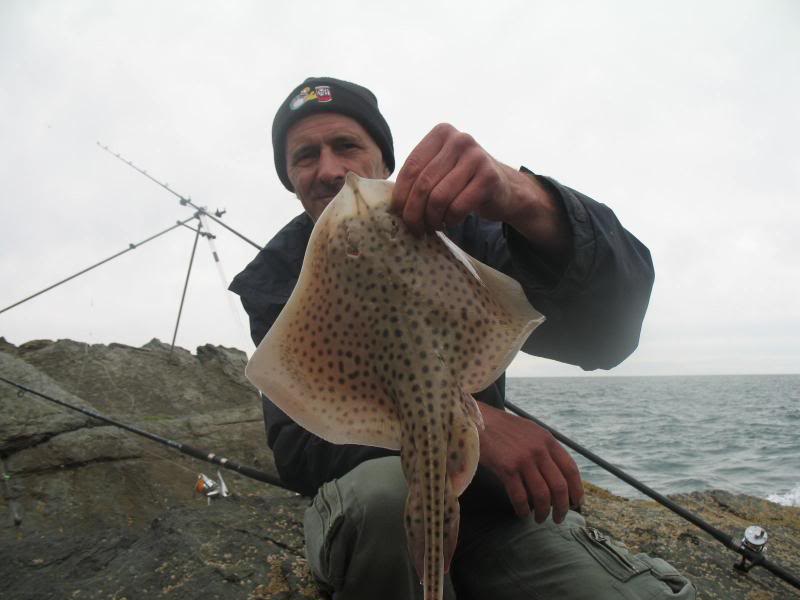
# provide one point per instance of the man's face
(320, 150)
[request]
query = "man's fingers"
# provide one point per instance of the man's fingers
(436, 173)
(430, 194)
(447, 192)
(537, 472)
(551, 479)
(538, 493)
(518, 494)
(571, 474)
(469, 199)
(559, 490)
(414, 165)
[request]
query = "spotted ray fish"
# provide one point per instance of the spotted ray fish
(382, 341)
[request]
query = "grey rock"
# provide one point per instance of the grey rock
(67, 469)
(26, 420)
(241, 547)
(122, 380)
(91, 511)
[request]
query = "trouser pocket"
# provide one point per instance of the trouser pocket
(640, 575)
(669, 575)
(613, 557)
(322, 523)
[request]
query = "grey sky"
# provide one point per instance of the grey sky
(681, 116)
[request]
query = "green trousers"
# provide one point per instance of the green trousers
(356, 548)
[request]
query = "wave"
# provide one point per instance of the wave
(678, 434)
(790, 498)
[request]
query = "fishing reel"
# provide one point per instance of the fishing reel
(755, 539)
(211, 488)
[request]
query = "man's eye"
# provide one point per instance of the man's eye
(303, 158)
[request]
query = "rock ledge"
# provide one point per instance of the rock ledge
(92, 511)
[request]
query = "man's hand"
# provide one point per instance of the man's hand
(534, 468)
(448, 175)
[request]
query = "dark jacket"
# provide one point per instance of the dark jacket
(594, 312)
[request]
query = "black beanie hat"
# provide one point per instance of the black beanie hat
(326, 94)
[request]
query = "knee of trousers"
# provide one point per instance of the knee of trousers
(374, 495)
(356, 519)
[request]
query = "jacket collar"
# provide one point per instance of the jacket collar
(272, 274)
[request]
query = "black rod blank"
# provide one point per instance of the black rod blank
(198, 453)
(754, 557)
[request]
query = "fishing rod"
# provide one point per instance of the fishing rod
(201, 212)
(183, 200)
(198, 453)
(752, 546)
(105, 260)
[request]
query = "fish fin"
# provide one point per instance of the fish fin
(316, 363)
(452, 516)
(492, 318)
(335, 412)
(463, 446)
(471, 406)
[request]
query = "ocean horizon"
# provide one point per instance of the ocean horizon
(678, 433)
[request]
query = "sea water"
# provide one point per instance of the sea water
(678, 434)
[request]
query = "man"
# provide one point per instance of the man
(577, 265)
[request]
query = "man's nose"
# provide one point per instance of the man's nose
(330, 167)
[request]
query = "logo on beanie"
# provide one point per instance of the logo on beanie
(321, 93)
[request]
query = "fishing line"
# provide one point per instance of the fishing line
(94, 266)
(183, 200)
(78, 391)
(237, 317)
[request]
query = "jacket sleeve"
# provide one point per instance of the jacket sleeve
(595, 308)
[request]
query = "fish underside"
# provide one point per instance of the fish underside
(382, 342)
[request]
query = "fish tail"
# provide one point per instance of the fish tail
(415, 527)
(434, 511)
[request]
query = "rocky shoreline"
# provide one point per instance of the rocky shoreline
(91, 511)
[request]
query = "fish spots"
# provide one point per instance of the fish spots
(383, 333)
(352, 249)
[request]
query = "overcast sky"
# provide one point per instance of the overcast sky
(681, 116)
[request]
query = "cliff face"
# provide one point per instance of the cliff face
(91, 511)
